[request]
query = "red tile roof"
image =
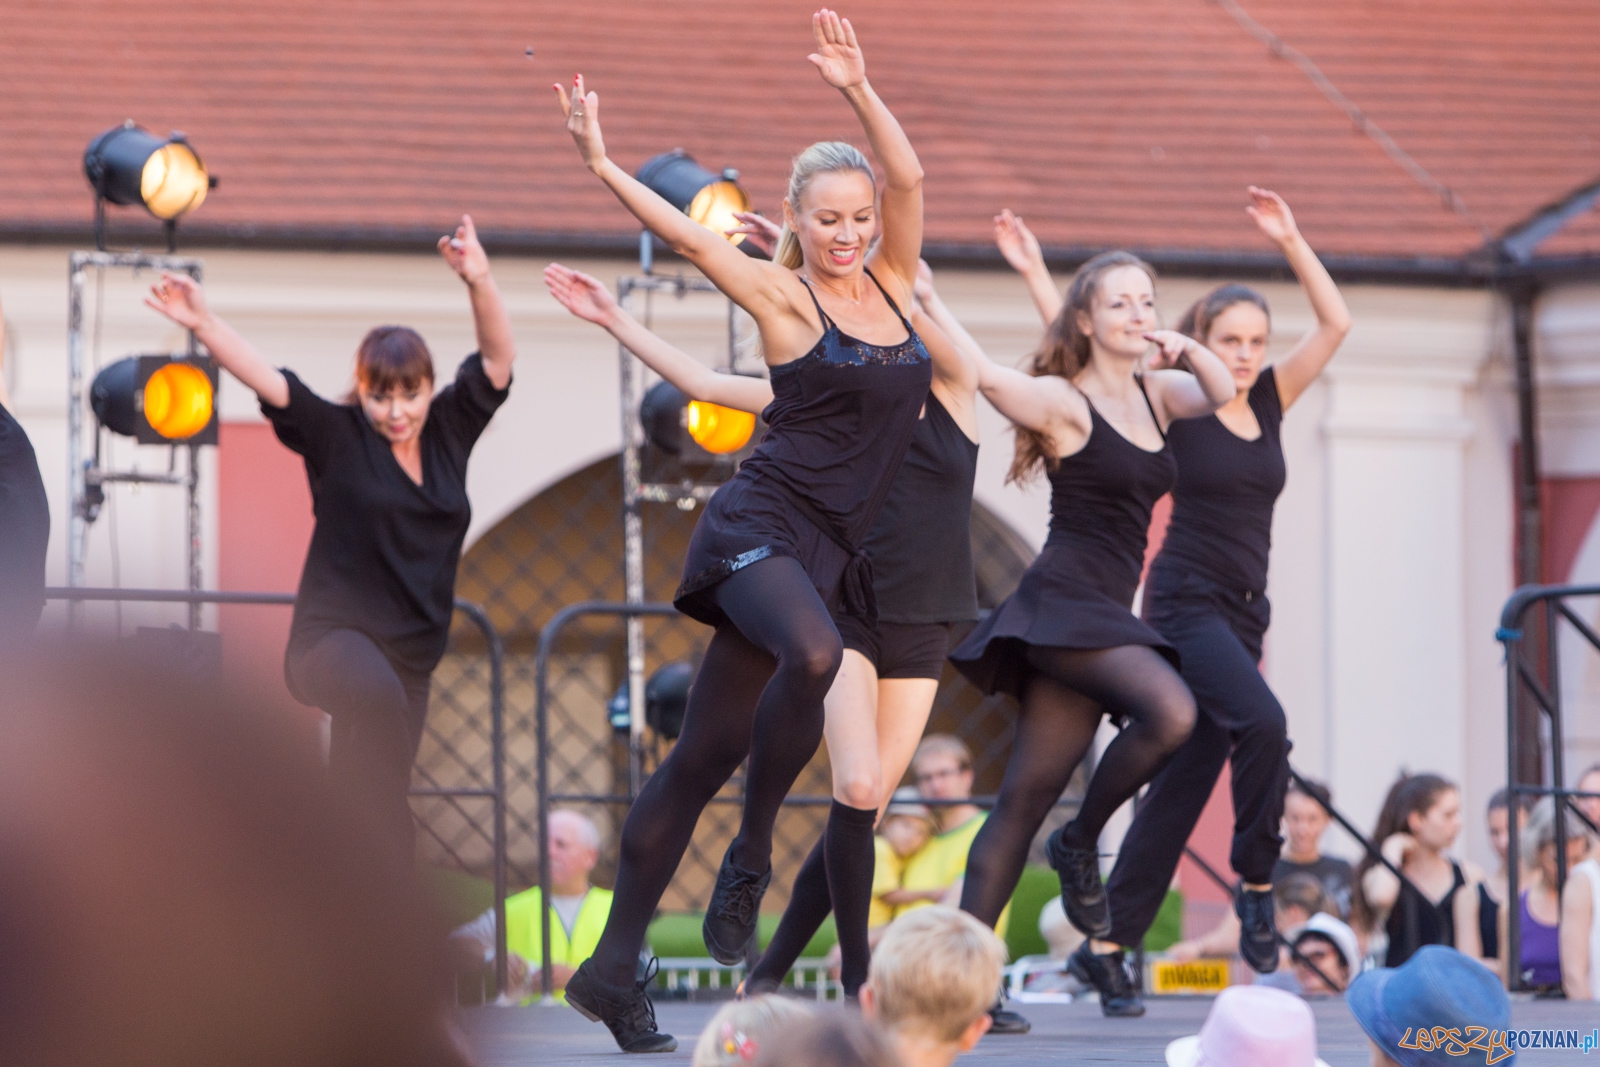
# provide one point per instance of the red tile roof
(1105, 122)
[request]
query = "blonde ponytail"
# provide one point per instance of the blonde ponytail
(824, 157)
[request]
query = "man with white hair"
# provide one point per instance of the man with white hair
(578, 911)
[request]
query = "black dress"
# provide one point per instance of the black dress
(1079, 592)
(838, 426)
(24, 531)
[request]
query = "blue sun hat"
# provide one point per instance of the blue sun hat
(1439, 1008)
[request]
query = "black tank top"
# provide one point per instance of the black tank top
(840, 420)
(1101, 497)
(1436, 923)
(921, 547)
(1222, 504)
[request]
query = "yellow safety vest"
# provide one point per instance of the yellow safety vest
(522, 928)
(939, 863)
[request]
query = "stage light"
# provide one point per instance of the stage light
(705, 197)
(666, 697)
(129, 165)
(158, 399)
(675, 424)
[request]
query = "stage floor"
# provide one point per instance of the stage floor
(1063, 1035)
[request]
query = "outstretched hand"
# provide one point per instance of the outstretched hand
(838, 57)
(1272, 216)
(1016, 242)
(180, 298)
(583, 295)
(758, 230)
(1170, 348)
(464, 254)
(582, 112)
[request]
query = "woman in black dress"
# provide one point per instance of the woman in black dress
(1206, 594)
(778, 548)
(922, 578)
(1066, 643)
(388, 473)
(24, 523)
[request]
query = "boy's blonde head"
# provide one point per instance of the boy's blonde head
(741, 1027)
(935, 972)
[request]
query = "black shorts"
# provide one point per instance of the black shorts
(898, 649)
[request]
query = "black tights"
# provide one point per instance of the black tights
(1065, 695)
(759, 692)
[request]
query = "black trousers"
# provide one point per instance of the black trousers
(378, 709)
(1218, 633)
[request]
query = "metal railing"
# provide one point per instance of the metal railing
(1523, 677)
(496, 792)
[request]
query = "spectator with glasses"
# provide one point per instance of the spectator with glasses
(942, 770)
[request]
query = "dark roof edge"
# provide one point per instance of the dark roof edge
(1472, 270)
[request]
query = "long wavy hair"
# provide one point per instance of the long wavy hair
(1411, 794)
(1064, 352)
(824, 157)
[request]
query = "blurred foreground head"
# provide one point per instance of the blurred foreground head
(178, 886)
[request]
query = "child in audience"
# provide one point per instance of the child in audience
(1437, 988)
(1251, 1026)
(737, 1032)
(1330, 945)
(906, 827)
(932, 981)
(1305, 820)
(832, 1039)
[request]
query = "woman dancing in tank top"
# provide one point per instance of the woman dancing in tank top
(921, 556)
(1066, 643)
(779, 545)
(1206, 595)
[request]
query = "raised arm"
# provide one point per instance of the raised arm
(1297, 370)
(955, 354)
(839, 60)
(1184, 394)
(750, 283)
(590, 300)
(180, 298)
(495, 344)
(1021, 249)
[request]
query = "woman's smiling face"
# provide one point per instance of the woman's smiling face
(836, 222)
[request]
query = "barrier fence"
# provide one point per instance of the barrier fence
(478, 785)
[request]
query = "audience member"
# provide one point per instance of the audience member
(1492, 890)
(578, 912)
(1589, 782)
(1305, 820)
(942, 768)
(906, 827)
(1437, 990)
(833, 1039)
(1419, 822)
(1580, 910)
(1540, 908)
(181, 886)
(1294, 900)
(932, 981)
(1329, 945)
(1251, 1026)
(740, 1028)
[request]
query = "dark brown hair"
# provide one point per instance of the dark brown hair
(1411, 794)
(391, 357)
(1065, 351)
(1312, 790)
(1196, 322)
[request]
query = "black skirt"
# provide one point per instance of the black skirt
(1057, 604)
(747, 521)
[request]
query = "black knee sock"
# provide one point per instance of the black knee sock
(809, 905)
(847, 843)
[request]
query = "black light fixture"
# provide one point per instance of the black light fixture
(131, 166)
(692, 430)
(666, 697)
(708, 198)
(158, 400)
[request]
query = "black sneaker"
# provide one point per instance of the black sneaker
(625, 1009)
(1258, 932)
(731, 918)
(1108, 974)
(1002, 1020)
(1083, 895)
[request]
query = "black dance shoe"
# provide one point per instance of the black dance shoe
(1003, 1020)
(1108, 973)
(1083, 895)
(731, 918)
(1258, 932)
(625, 1009)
